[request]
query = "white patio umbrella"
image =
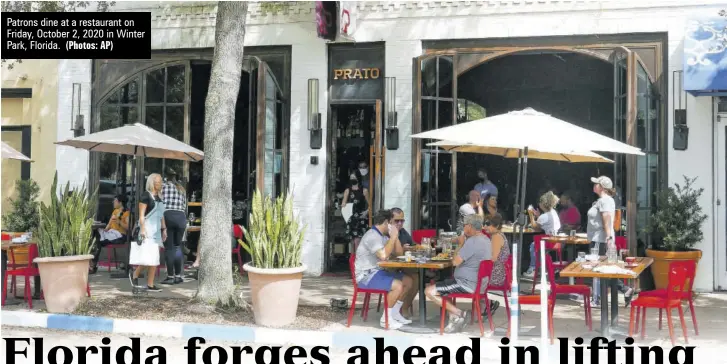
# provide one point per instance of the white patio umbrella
(137, 140)
(9, 153)
(522, 131)
(569, 156)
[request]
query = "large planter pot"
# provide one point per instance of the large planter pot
(64, 281)
(275, 294)
(662, 259)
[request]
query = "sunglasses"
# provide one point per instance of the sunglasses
(398, 221)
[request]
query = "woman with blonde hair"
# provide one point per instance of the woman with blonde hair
(152, 233)
(547, 221)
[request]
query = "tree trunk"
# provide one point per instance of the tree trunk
(215, 273)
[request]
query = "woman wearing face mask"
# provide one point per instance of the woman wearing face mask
(358, 195)
(363, 174)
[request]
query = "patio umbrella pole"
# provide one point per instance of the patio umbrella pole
(125, 274)
(520, 225)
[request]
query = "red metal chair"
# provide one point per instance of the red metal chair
(506, 286)
(686, 295)
(677, 286)
(621, 243)
(367, 296)
(535, 299)
(418, 235)
(29, 270)
(111, 248)
(484, 271)
(557, 247)
(237, 250)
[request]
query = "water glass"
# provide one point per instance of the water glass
(581, 256)
(623, 254)
(594, 251)
(572, 233)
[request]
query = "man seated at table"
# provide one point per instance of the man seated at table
(377, 245)
(476, 248)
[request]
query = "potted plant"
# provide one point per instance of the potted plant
(677, 224)
(64, 245)
(275, 242)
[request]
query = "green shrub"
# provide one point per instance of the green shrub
(678, 218)
(24, 214)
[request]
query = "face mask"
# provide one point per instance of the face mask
(354, 182)
(363, 171)
(481, 177)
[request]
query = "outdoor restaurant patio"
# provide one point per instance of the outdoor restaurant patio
(113, 298)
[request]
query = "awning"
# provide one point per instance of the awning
(705, 57)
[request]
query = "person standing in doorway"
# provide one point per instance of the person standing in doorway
(363, 174)
(485, 186)
(175, 215)
(357, 224)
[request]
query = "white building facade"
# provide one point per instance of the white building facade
(410, 42)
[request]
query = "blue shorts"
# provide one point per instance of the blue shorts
(382, 280)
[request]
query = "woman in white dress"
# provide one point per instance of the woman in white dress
(152, 232)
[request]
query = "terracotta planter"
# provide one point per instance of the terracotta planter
(662, 259)
(64, 281)
(275, 294)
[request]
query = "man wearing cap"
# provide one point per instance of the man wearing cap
(600, 230)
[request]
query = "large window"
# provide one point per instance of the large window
(156, 97)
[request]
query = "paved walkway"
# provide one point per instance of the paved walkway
(317, 291)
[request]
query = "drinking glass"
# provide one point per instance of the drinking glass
(594, 251)
(581, 256)
(623, 254)
(191, 218)
(572, 233)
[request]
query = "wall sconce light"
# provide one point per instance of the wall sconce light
(314, 116)
(76, 117)
(392, 124)
(680, 138)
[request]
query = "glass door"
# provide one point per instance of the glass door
(636, 121)
(266, 164)
(434, 202)
(377, 165)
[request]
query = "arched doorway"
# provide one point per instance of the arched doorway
(440, 76)
(169, 96)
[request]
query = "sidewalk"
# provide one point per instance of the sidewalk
(112, 299)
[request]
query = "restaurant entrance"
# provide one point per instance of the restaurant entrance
(605, 89)
(355, 153)
(354, 145)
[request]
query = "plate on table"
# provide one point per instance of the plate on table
(582, 235)
(440, 259)
(632, 265)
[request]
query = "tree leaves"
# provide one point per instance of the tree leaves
(678, 218)
(24, 214)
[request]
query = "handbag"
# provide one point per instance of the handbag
(145, 253)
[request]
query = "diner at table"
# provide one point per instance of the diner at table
(377, 245)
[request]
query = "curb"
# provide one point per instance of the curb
(340, 340)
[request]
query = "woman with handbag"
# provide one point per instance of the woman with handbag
(152, 233)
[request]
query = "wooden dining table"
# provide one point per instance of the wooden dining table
(586, 270)
(7, 245)
(397, 264)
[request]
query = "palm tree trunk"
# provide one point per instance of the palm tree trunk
(215, 274)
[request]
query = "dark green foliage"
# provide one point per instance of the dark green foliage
(24, 214)
(678, 219)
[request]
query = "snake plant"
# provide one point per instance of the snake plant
(274, 236)
(65, 225)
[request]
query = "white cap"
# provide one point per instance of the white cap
(604, 181)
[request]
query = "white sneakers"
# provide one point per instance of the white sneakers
(396, 320)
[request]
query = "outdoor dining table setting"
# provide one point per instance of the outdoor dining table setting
(436, 254)
(595, 266)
